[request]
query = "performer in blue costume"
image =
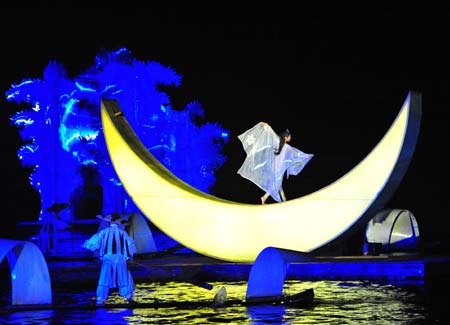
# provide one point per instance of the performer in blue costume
(269, 157)
(115, 248)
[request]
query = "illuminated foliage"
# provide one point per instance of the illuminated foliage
(61, 126)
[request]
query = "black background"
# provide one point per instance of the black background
(335, 76)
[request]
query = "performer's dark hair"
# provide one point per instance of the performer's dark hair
(283, 134)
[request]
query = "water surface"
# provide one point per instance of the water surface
(335, 302)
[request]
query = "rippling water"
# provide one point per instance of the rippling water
(334, 303)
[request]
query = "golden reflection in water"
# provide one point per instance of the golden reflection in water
(335, 302)
(357, 301)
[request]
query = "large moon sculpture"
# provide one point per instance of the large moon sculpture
(238, 232)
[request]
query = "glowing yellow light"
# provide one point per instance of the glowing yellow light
(238, 232)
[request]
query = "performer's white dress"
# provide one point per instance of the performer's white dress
(115, 248)
(262, 166)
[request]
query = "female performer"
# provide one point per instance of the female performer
(269, 157)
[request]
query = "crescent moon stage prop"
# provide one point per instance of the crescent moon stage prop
(238, 232)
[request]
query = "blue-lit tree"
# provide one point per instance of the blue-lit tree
(61, 127)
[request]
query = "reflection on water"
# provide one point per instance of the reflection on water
(334, 303)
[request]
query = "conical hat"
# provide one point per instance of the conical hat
(57, 207)
(113, 218)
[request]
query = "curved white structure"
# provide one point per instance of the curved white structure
(238, 232)
(30, 279)
(394, 229)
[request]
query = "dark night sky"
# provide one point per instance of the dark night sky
(335, 78)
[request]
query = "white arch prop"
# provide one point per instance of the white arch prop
(30, 279)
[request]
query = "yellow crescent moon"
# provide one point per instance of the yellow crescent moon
(238, 232)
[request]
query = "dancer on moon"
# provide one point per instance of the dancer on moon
(269, 157)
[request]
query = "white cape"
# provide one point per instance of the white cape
(262, 166)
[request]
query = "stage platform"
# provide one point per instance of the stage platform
(192, 267)
(71, 263)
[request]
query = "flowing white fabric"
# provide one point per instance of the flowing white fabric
(262, 166)
(115, 248)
